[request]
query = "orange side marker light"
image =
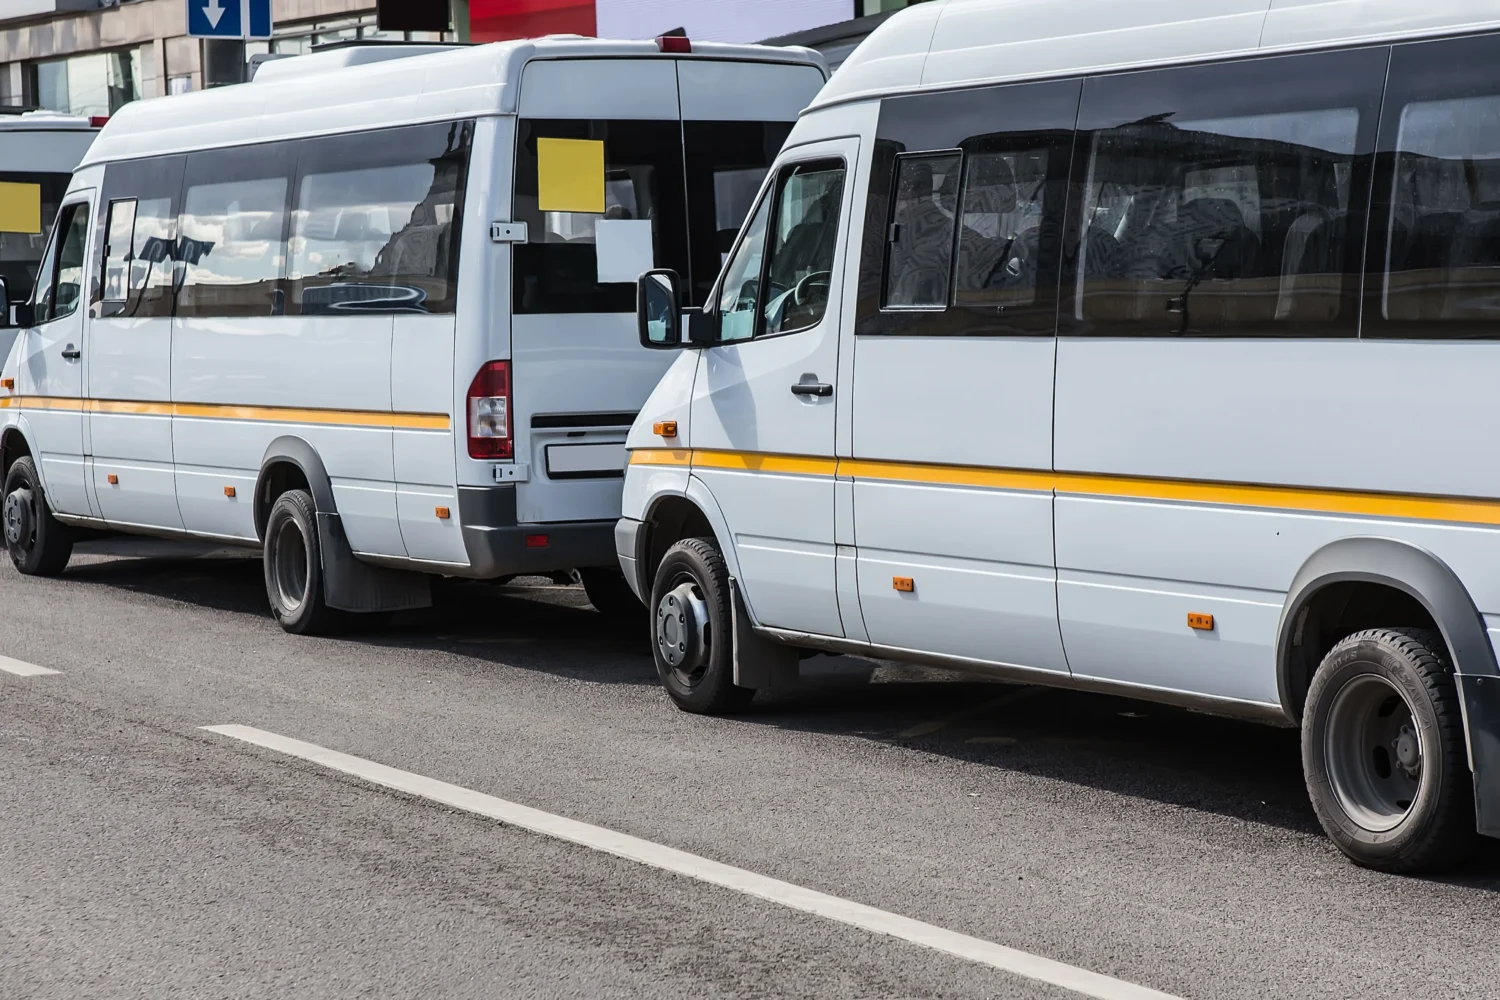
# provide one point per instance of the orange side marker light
(443, 513)
(114, 480)
(229, 492)
(905, 584)
(665, 428)
(8, 383)
(1202, 622)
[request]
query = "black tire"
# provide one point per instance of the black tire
(692, 581)
(1384, 754)
(612, 597)
(39, 544)
(293, 562)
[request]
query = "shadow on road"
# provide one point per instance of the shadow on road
(1243, 770)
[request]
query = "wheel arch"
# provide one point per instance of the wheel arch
(13, 445)
(291, 461)
(1430, 584)
(670, 517)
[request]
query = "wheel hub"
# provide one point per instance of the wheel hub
(681, 628)
(18, 517)
(1408, 751)
(1374, 752)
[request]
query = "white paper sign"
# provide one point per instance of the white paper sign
(624, 249)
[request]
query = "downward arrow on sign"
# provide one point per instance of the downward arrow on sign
(214, 12)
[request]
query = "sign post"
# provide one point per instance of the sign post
(236, 19)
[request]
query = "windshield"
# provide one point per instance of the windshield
(28, 206)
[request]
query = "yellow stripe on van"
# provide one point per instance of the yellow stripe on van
(218, 411)
(1399, 506)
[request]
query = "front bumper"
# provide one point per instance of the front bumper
(496, 541)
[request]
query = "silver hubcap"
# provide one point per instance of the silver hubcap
(1374, 753)
(18, 518)
(682, 630)
(289, 561)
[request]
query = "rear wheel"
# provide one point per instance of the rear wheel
(38, 543)
(611, 596)
(691, 636)
(294, 566)
(1383, 752)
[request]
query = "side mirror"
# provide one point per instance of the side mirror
(658, 309)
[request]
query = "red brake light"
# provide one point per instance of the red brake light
(674, 43)
(98, 121)
(489, 412)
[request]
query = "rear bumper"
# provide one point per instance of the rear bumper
(497, 543)
(629, 534)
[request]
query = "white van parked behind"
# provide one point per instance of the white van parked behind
(1062, 357)
(374, 309)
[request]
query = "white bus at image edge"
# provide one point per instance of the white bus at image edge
(1141, 348)
(372, 311)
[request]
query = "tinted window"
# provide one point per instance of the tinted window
(375, 221)
(979, 255)
(1438, 200)
(61, 286)
(1226, 200)
(150, 254)
(232, 239)
(602, 173)
(21, 252)
(726, 162)
(923, 212)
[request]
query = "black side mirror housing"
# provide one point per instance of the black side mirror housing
(658, 309)
(23, 314)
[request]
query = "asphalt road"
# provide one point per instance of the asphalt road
(141, 856)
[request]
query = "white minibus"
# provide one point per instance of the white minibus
(1143, 348)
(373, 311)
(38, 152)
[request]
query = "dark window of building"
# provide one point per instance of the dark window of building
(980, 254)
(376, 221)
(1435, 251)
(576, 179)
(1225, 200)
(155, 187)
(919, 260)
(232, 238)
(726, 163)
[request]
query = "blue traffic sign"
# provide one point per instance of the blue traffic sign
(229, 18)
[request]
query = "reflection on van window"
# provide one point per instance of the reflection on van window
(1234, 226)
(921, 231)
(233, 247)
(382, 236)
(64, 279)
(1444, 252)
(799, 274)
(1000, 227)
(739, 298)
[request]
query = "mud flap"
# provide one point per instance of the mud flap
(351, 585)
(1481, 700)
(759, 663)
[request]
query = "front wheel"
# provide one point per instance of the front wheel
(294, 565)
(38, 543)
(1383, 752)
(691, 630)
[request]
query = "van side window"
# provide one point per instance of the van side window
(574, 176)
(60, 286)
(778, 279)
(119, 244)
(232, 240)
(963, 228)
(376, 220)
(1226, 200)
(146, 260)
(923, 214)
(1438, 264)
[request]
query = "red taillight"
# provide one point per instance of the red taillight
(489, 412)
(674, 43)
(98, 121)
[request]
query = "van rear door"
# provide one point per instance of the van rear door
(682, 147)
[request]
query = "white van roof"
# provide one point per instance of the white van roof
(951, 43)
(374, 87)
(44, 121)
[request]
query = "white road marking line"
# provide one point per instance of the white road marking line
(21, 669)
(1012, 960)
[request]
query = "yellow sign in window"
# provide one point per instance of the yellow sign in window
(570, 175)
(21, 207)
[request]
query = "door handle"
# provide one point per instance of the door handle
(812, 389)
(71, 353)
